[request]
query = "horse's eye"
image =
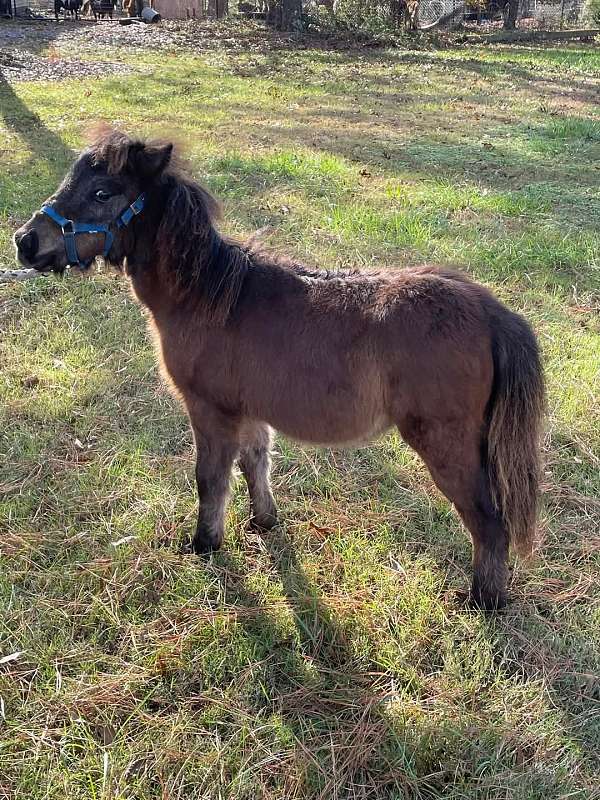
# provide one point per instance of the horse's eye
(103, 196)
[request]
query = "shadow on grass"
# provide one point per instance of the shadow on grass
(556, 86)
(491, 65)
(344, 739)
(26, 185)
(341, 733)
(501, 214)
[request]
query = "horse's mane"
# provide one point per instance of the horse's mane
(204, 265)
(199, 263)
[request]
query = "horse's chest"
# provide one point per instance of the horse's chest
(170, 355)
(175, 361)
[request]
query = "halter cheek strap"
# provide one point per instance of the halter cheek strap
(70, 229)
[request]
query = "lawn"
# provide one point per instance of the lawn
(330, 658)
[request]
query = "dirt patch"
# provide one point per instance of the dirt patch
(168, 35)
(34, 50)
(21, 65)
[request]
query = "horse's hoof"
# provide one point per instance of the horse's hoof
(203, 544)
(264, 522)
(484, 601)
(203, 548)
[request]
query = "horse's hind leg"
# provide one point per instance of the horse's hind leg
(255, 464)
(452, 450)
(474, 503)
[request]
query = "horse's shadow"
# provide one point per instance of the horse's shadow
(311, 679)
(352, 737)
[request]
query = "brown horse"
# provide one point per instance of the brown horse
(251, 341)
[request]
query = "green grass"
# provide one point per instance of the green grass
(329, 659)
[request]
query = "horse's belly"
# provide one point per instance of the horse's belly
(337, 432)
(332, 406)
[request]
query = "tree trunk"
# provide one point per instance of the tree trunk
(511, 11)
(396, 8)
(217, 9)
(286, 15)
(412, 14)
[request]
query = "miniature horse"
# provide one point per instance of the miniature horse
(252, 342)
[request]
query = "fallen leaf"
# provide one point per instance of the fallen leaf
(321, 531)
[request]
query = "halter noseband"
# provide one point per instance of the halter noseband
(70, 229)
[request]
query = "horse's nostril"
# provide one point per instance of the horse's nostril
(28, 244)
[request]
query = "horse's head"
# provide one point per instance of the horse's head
(94, 209)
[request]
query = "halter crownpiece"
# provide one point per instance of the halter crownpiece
(70, 229)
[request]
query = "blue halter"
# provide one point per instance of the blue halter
(70, 229)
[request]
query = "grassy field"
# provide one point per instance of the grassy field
(329, 659)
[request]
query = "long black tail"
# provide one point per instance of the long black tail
(515, 419)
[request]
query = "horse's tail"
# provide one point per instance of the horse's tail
(516, 410)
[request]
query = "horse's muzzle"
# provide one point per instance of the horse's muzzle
(27, 244)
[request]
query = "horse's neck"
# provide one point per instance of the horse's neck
(141, 264)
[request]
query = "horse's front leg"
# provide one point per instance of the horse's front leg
(217, 447)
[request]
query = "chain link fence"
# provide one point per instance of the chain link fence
(445, 12)
(547, 14)
(448, 13)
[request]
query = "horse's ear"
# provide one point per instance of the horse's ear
(152, 159)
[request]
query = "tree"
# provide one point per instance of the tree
(286, 15)
(218, 8)
(511, 10)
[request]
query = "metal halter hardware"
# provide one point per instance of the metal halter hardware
(70, 229)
